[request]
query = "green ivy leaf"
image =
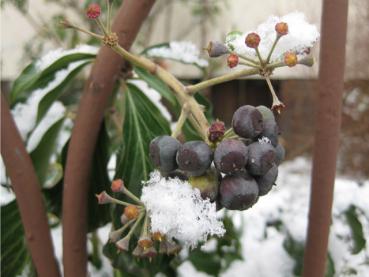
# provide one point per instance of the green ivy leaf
(356, 229)
(14, 253)
(41, 155)
(142, 122)
(33, 78)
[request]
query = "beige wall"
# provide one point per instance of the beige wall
(236, 14)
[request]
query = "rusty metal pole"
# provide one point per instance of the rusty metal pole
(97, 91)
(28, 194)
(326, 142)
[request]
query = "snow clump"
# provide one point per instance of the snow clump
(178, 211)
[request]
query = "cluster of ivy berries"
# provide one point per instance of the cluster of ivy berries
(135, 223)
(235, 167)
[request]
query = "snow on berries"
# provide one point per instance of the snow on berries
(296, 35)
(178, 211)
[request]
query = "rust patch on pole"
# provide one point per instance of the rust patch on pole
(28, 194)
(326, 143)
(97, 91)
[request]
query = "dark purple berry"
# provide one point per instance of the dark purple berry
(266, 112)
(230, 156)
(208, 184)
(238, 193)
(194, 157)
(271, 130)
(163, 151)
(280, 154)
(261, 158)
(247, 122)
(267, 181)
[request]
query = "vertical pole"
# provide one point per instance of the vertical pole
(326, 142)
(97, 91)
(28, 194)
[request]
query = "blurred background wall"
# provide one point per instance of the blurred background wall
(29, 29)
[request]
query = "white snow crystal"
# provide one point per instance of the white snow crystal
(184, 51)
(178, 211)
(56, 54)
(301, 36)
(264, 140)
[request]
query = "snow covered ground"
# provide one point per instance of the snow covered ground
(263, 251)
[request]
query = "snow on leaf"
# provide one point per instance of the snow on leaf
(183, 51)
(178, 211)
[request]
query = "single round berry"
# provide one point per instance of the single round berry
(252, 40)
(208, 184)
(266, 112)
(163, 151)
(281, 28)
(271, 131)
(267, 181)
(216, 49)
(290, 59)
(194, 157)
(247, 122)
(93, 11)
(261, 158)
(230, 156)
(280, 154)
(238, 192)
(216, 131)
(232, 60)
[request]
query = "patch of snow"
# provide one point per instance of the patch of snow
(55, 113)
(25, 114)
(178, 211)
(301, 36)
(52, 56)
(184, 51)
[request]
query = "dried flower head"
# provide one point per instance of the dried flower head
(232, 60)
(290, 59)
(123, 244)
(278, 106)
(145, 242)
(281, 28)
(252, 40)
(131, 212)
(117, 185)
(137, 252)
(149, 252)
(216, 131)
(157, 236)
(104, 198)
(93, 11)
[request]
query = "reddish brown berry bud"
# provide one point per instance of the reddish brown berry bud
(281, 28)
(290, 59)
(216, 49)
(117, 185)
(216, 131)
(252, 40)
(131, 212)
(145, 242)
(278, 106)
(232, 60)
(93, 11)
